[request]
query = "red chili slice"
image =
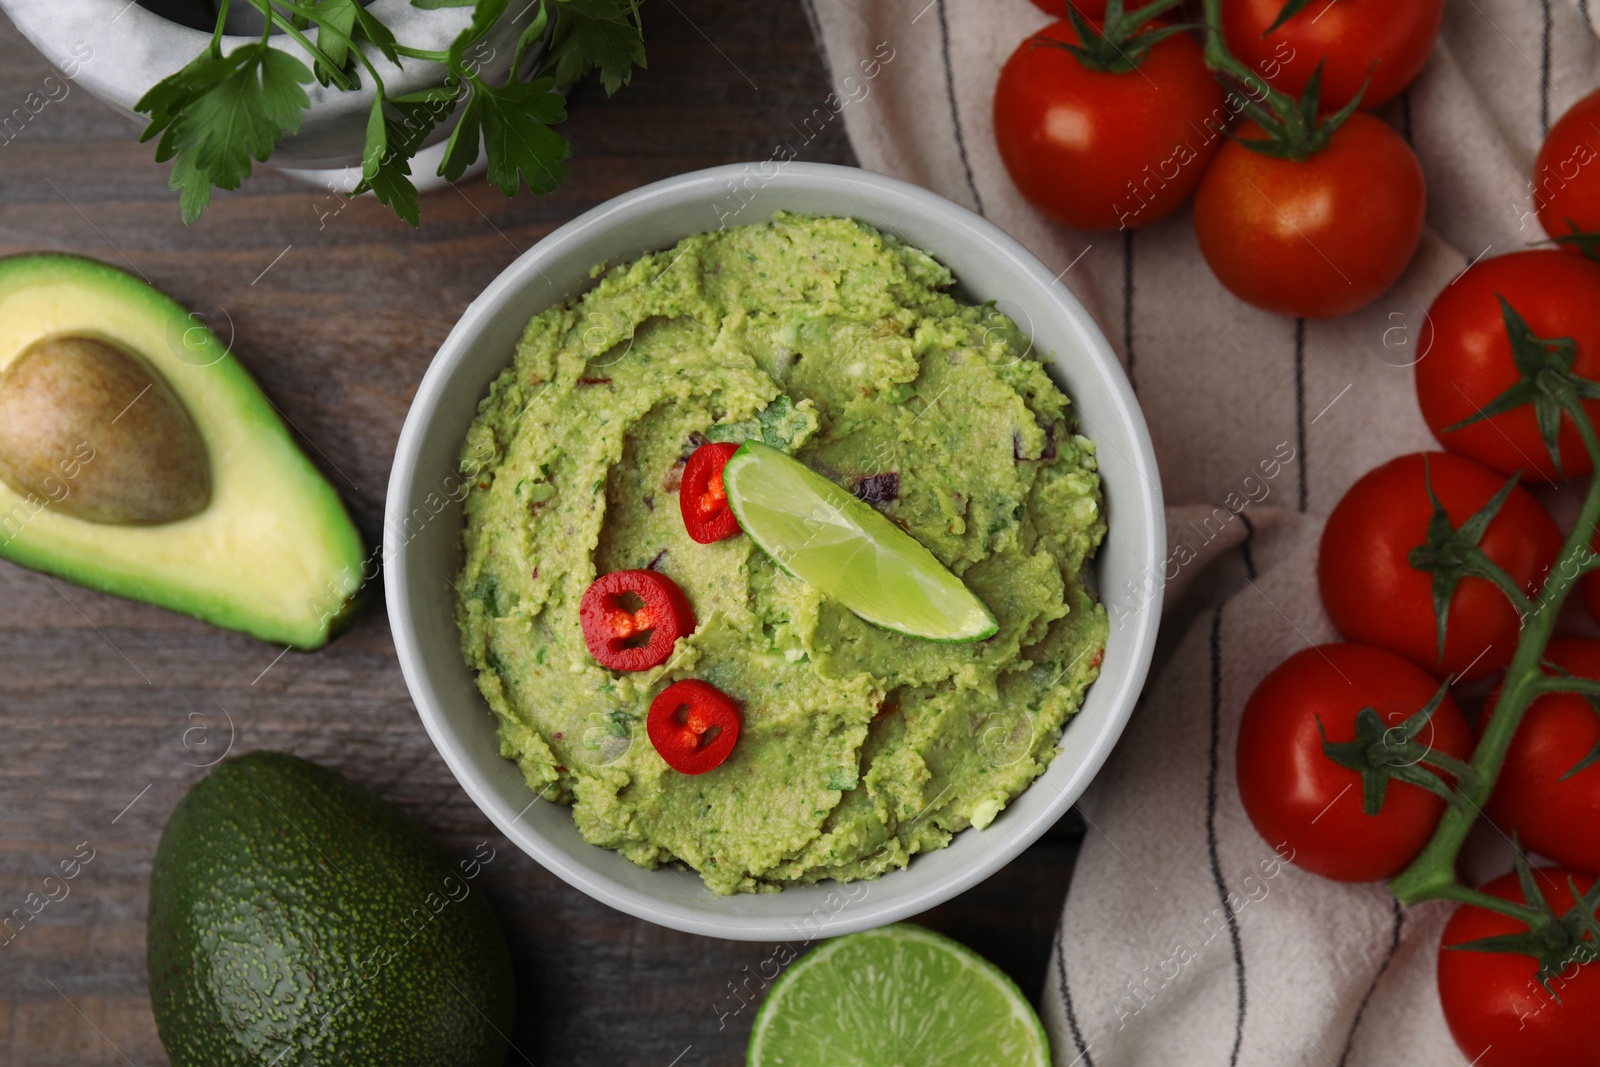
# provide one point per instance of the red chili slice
(631, 619)
(694, 725)
(706, 514)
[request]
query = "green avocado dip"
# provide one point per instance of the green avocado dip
(859, 746)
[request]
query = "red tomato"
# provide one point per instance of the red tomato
(1101, 151)
(1498, 1012)
(1089, 9)
(1391, 38)
(1313, 239)
(1468, 362)
(1374, 595)
(1308, 807)
(1556, 818)
(1566, 176)
(693, 725)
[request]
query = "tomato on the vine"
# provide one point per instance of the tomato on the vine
(1319, 238)
(1566, 176)
(1498, 1012)
(1552, 814)
(1390, 38)
(1467, 361)
(1374, 595)
(1100, 150)
(1307, 806)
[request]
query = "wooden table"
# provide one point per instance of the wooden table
(108, 708)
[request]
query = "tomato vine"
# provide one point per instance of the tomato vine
(1432, 875)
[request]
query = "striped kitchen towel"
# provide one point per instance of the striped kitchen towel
(1184, 940)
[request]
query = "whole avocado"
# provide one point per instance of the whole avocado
(298, 920)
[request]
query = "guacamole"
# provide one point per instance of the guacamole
(860, 747)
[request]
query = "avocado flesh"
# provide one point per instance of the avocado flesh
(273, 553)
(296, 919)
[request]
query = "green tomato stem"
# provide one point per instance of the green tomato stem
(1523, 913)
(1432, 875)
(1220, 60)
(1487, 569)
(1565, 683)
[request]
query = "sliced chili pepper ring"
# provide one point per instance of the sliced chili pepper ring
(702, 498)
(693, 725)
(631, 619)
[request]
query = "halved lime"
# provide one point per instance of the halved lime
(824, 536)
(898, 995)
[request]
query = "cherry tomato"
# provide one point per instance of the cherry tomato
(1374, 595)
(631, 619)
(1498, 1012)
(1468, 361)
(701, 497)
(1089, 9)
(1307, 806)
(1566, 176)
(1391, 38)
(1100, 151)
(1554, 815)
(1313, 239)
(693, 725)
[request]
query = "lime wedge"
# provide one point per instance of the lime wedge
(824, 536)
(896, 995)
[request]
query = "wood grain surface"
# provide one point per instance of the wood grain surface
(110, 710)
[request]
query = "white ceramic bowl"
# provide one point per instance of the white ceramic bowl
(422, 541)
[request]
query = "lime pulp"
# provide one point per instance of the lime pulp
(844, 547)
(897, 995)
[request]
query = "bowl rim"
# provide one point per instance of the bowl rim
(1146, 498)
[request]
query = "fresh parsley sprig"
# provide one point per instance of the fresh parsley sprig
(223, 112)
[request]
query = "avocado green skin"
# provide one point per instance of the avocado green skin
(298, 920)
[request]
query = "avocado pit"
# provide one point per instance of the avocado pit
(97, 435)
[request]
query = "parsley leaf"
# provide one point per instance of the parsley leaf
(225, 112)
(194, 187)
(603, 34)
(533, 33)
(348, 21)
(484, 15)
(167, 98)
(514, 123)
(375, 31)
(338, 16)
(391, 142)
(281, 96)
(462, 149)
(220, 113)
(517, 136)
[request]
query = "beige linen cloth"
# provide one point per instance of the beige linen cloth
(1183, 940)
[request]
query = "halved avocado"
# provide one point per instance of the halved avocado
(249, 537)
